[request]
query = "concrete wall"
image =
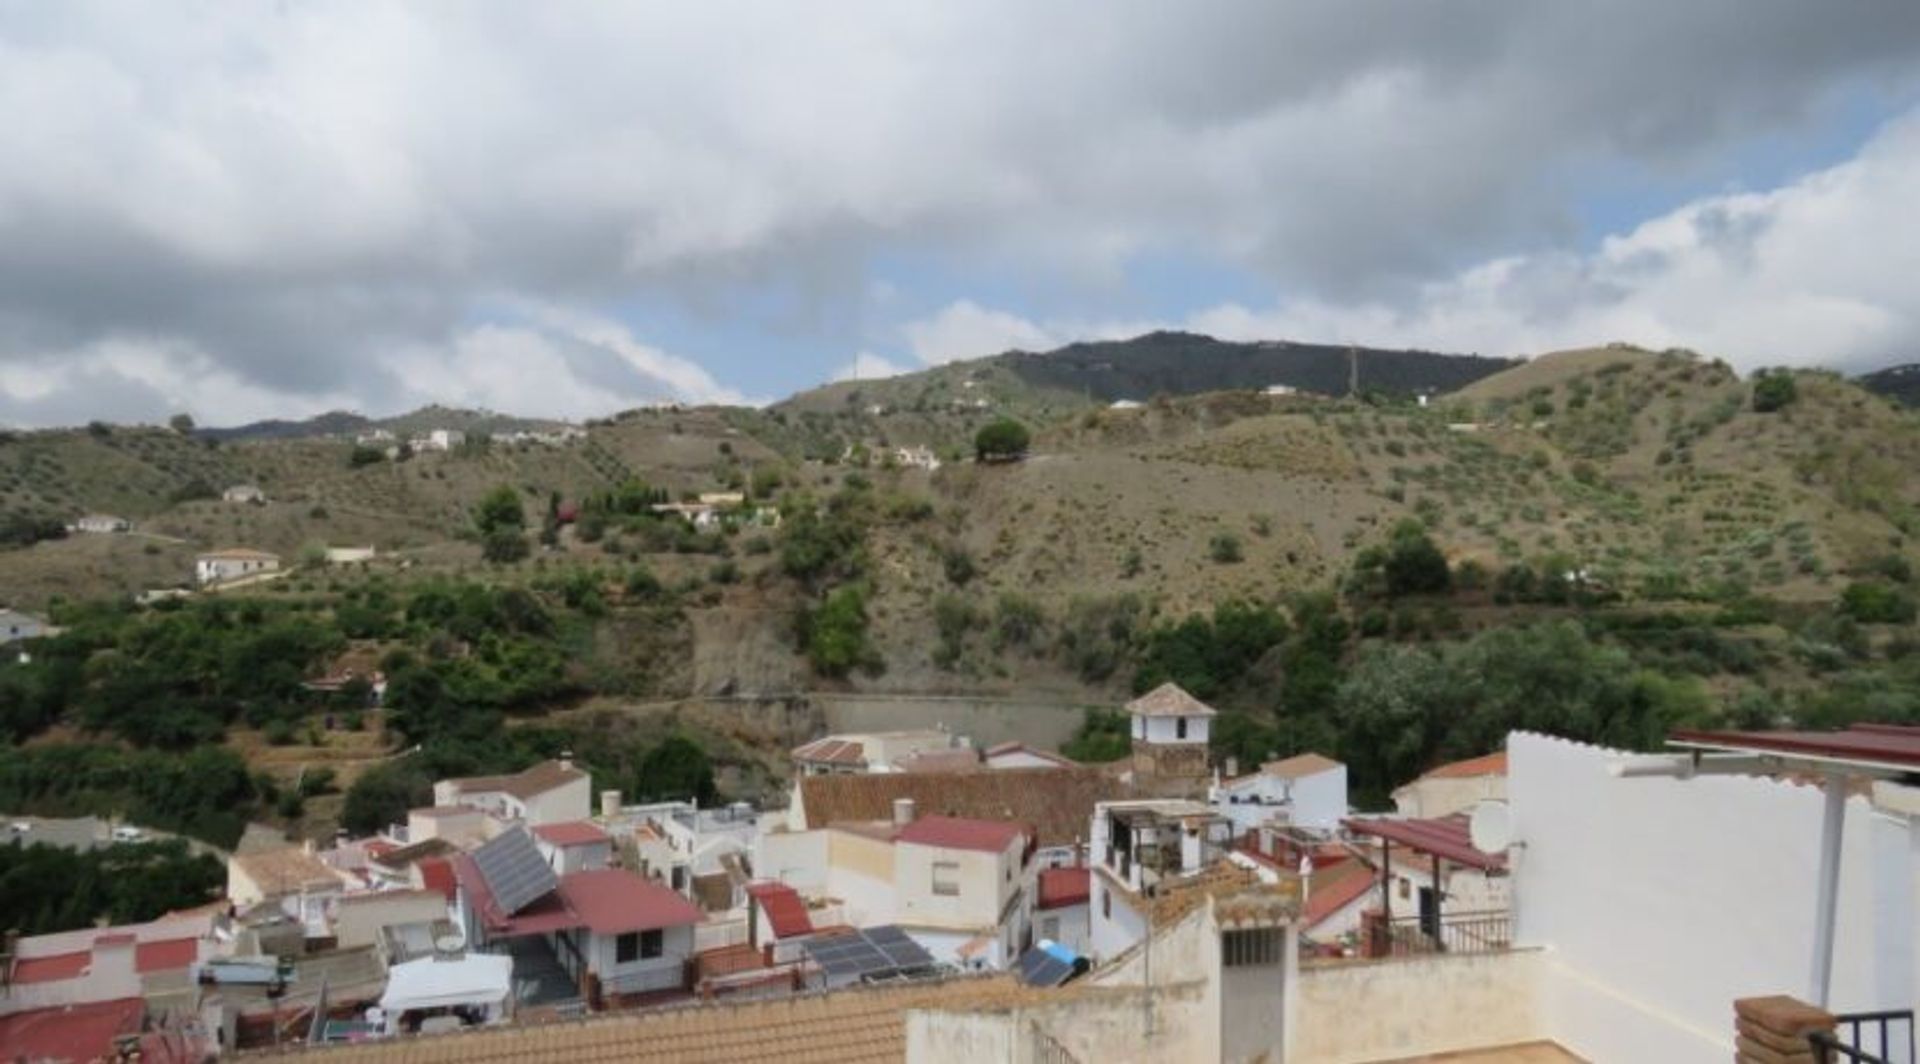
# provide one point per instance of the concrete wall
(1664, 900)
(797, 858)
(860, 874)
(1167, 729)
(1447, 794)
(1385, 1010)
(984, 887)
(358, 920)
(1113, 924)
(572, 800)
(986, 721)
(1070, 927)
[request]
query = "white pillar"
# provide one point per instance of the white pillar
(1826, 905)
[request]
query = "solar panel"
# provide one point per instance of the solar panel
(514, 870)
(1041, 968)
(873, 953)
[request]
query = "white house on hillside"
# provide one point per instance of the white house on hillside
(1307, 791)
(221, 566)
(550, 792)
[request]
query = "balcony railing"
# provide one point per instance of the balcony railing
(1866, 1038)
(1474, 932)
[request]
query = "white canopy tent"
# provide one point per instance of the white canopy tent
(479, 980)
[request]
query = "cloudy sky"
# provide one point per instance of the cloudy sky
(245, 210)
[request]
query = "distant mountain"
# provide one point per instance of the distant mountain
(332, 423)
(1182, 363)
(1899, 383)
(345, 423)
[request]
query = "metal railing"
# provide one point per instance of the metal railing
(1048, 1050)
(1890, 1030)
(1481, 932)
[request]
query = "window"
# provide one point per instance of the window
(1050, 928)
(946, 878)
(1180, 727)
(638, 946)
(1106, 905)
(1246, 949)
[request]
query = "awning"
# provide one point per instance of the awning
(433, 983)
(1447, 837)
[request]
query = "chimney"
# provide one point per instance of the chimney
(306, 846)
(609, 804)
(1232, 766)
(566, 760)
(902, 812)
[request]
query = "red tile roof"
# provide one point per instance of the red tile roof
(960, 760)
(526, 784)
(956, 833)
(1061, 887)
(613, 901)
(1446, 837)
(831, 751)
(786, 913)
(54, 969)
(1333, 890)
(379, 847)
(437, 874)
(165, 956)
(1869, 744)
(1494, 764)
(70, 1033)
(160, 956)
(571, 833)
(1169, 700)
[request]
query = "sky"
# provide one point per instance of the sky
(243, 210)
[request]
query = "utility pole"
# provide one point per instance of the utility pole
(1353, 371)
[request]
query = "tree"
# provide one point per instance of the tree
(678, 768)
(499, 510)
(1414, 565)
(383, 794)
(1875, 603)
(365, 456)
(182, 424)
(1773, 389)
(1001, 441)
(835, 634)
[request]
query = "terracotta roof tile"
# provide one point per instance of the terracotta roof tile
(866, 1026)
(831, 751)
(530, 783)
(1169, 700)
(1299, 766)
(1058, 802)
(1494, 764)
(571, 833)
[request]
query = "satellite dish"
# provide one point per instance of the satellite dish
(451, 942)
(1491, 827)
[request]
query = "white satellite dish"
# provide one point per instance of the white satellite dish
(1491, 827)
(451, 942)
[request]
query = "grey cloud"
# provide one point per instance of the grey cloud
(298, 191)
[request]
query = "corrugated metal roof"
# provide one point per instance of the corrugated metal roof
(1061, 887)
(1446, 837)
(786, 913)
(1878, 745)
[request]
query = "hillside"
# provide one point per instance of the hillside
(342, 423)
(1731, 553)
(1899, 383)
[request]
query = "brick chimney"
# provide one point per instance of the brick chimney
(1775, 1029)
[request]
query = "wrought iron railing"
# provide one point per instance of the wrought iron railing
(1477, 932)
(1884, 1037)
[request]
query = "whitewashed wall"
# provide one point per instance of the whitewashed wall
(1661, 901)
